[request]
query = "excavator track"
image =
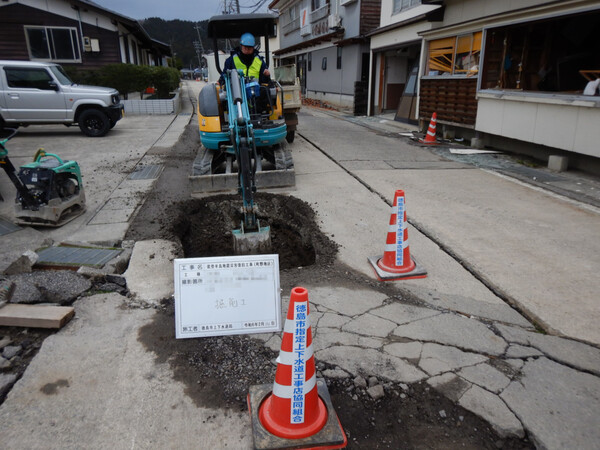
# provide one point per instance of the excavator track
(213, 171)
(283, 158)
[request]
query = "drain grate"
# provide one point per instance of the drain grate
(76, 256)
(143, 172)
(7, 227)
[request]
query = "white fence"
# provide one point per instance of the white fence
(149, 107)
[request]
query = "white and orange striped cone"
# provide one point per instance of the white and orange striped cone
(295, 411)
(396, 262)
(431, 132)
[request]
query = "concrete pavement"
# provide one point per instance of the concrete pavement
(94, 385)
(446, 343)
(461, 338)
(112, 198)
(535, 250)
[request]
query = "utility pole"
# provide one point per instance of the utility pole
(198, 46)
(226, 9)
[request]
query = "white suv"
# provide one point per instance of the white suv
(42, 93)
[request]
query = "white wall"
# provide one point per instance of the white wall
(409, 33)
(387, 8)
(567, 123)
(463, 16)
(458, 11)
(213, 74)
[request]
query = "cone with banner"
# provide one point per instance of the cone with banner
(396, 262)
(295, 411)
(431, 132)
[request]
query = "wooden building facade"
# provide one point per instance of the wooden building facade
(510, 77)
(74, 33)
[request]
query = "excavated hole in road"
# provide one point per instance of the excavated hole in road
(204, 227)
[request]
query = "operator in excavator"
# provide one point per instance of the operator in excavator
(246, 58)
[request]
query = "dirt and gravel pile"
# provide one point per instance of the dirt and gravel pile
(204, 228)
(18, 346)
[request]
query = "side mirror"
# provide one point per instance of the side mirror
(52, 85)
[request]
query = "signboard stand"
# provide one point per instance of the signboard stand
(227, 295)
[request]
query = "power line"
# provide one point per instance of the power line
(259, 6)
(233, 6)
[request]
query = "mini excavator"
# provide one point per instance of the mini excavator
(49, 190)
(242, 127)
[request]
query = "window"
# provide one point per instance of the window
(28, 78)
(317, 4)
(401, 5)
(61, 75)
(456, 55)
(552, 55)
(309, 62)
(59, 44)
(291, 20)
(324, 63)
(339, 58)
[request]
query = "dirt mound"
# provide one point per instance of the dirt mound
(204, 227)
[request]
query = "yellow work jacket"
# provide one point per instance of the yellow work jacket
(253, 70)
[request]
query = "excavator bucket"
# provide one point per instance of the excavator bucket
(252, 242)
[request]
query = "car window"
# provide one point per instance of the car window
(25, 77)
(61, 75)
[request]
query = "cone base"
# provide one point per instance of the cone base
(384, 275)
(410, 267)
(331, 435)
(423, 141)
(299, 431)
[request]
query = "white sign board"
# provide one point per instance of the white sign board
(227, 295)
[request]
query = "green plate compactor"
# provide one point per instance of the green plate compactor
(49, 190)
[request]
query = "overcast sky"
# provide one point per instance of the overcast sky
(194, 10)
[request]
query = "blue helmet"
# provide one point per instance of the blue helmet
(247, 40)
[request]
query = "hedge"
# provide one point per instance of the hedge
(127, 78)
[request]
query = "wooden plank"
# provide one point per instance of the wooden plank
(35, 316)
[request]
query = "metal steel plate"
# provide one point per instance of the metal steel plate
(7, 227)
(143, 172)
(76, 256)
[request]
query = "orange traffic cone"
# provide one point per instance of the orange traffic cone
(296, 410)
(430, 136)
(396, 263)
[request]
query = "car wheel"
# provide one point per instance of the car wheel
(112, 123)
(94, 123)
